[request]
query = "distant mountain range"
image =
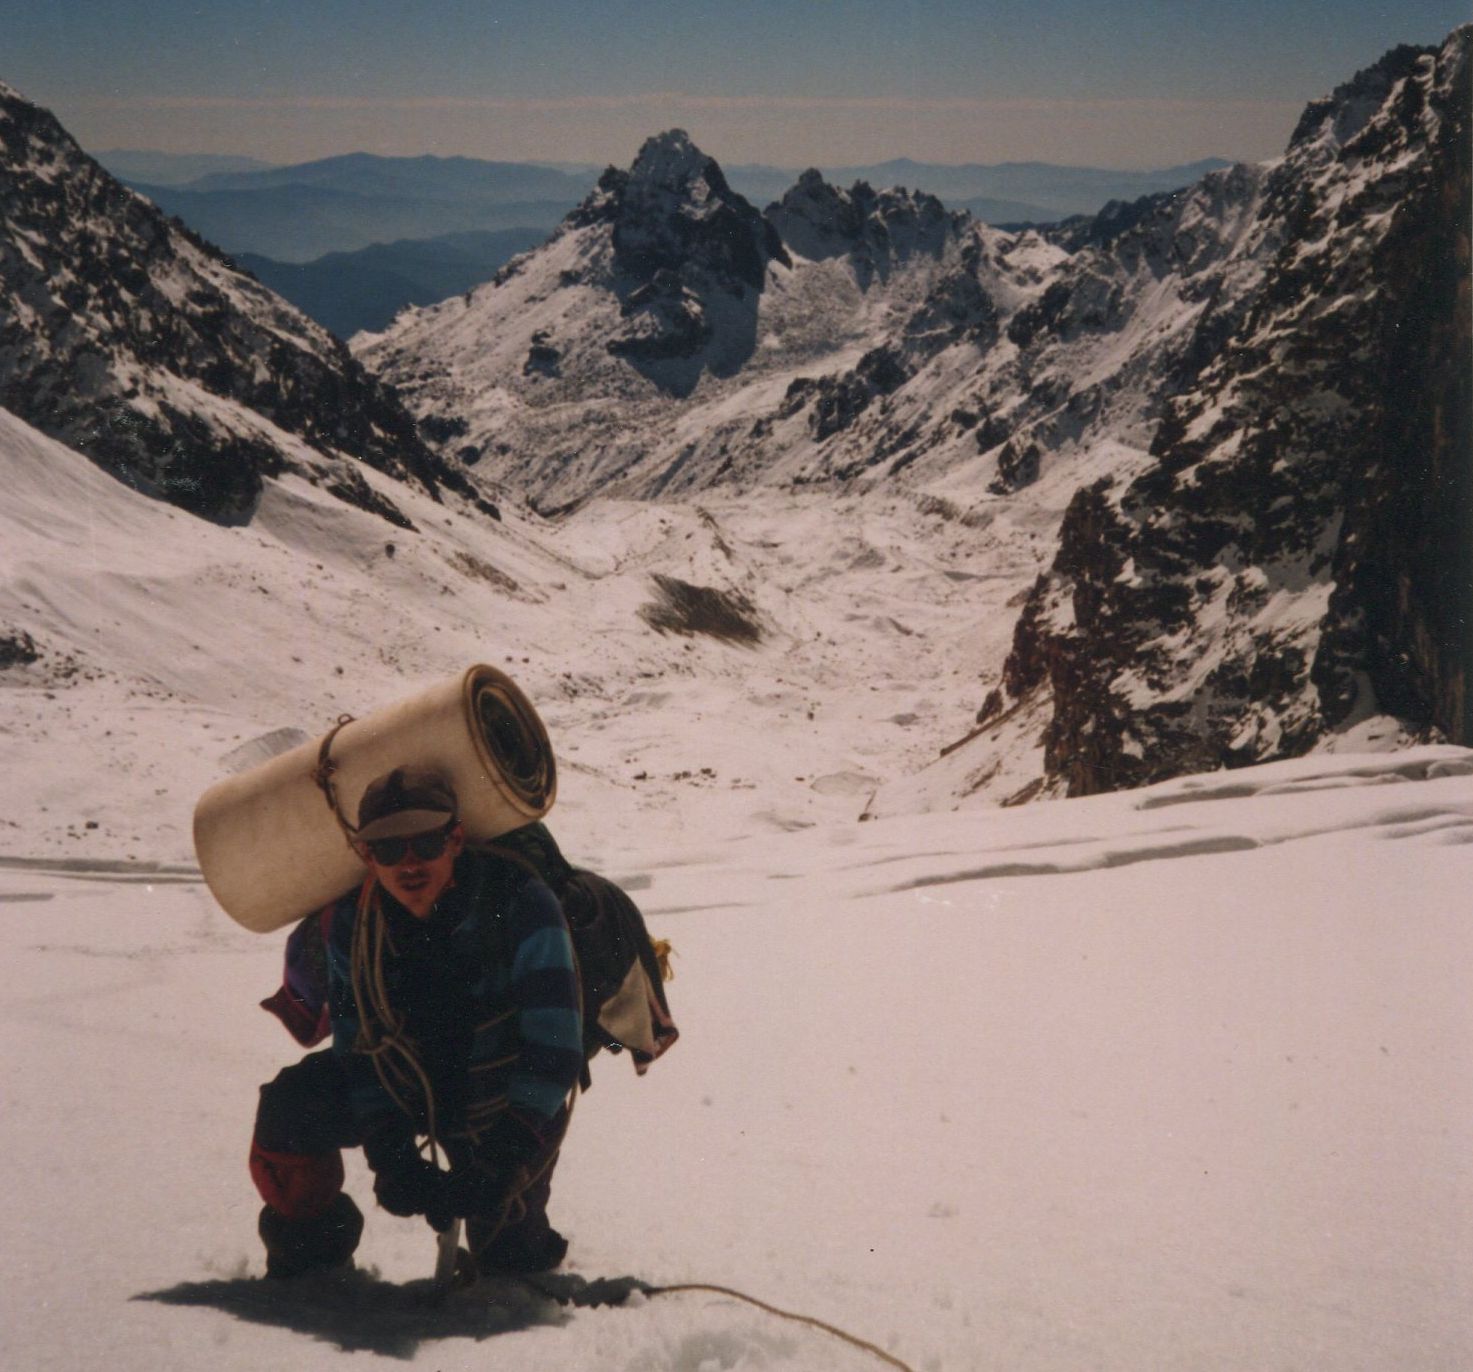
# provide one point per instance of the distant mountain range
(349, 292)
(172, 168)
(296, 222)
(339, 204)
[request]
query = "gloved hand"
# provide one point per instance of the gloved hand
(409, 1185)
(476, 1192)
(403, 1182)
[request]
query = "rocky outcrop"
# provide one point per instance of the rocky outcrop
(1295, 554)
(133, 341)
(674, 212)
(690, 256)
(835, 402)
(877, 231)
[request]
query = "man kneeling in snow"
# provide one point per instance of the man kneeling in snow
(449, 987)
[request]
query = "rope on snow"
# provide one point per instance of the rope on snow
(838, 1333)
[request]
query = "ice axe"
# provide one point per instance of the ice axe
(447, 1255)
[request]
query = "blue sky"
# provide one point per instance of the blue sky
(1125, 83)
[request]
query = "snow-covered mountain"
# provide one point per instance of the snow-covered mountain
(140, 345)
(1296, 551)
(1228, 424)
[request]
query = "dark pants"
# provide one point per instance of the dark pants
(303, 1122)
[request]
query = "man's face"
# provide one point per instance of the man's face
(414, 881)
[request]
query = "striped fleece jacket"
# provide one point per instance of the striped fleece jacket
(485, 994)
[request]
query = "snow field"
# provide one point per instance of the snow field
(1204, 1109)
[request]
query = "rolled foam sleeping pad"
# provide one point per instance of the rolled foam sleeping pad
(269, 845)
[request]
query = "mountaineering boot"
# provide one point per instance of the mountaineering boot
(306, 1245)
(525, 1249)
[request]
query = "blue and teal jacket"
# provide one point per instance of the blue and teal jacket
(485, 994)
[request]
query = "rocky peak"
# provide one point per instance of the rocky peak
(1338, 117)
(674, 211)
(670, 165)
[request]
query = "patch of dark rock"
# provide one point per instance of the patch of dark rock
(348, 485)
(442, 428)
(991, 706)
(1024, 794)
(1112, 223)
(480, 570)
(668, 322)
(17, 649)
(1017, 466)
(543, 359)
(682, 608)
(992, 431)
(957, 308)
(883, 369)
(839, 400)
(1042, 316)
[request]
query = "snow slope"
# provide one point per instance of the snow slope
(1174, 1078)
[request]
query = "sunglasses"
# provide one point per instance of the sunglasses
(390, 852)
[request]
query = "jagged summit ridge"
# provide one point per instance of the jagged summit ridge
(877, 229)
(1340, 116)
(670, 164)
(665, 284)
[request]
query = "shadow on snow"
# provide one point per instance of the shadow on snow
(356, 1310)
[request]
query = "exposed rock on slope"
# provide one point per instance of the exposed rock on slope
(141, 346)
(1295, 554)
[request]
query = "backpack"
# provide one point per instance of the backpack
(621, 972)
(621, 969)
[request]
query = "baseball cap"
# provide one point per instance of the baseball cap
(404, 802)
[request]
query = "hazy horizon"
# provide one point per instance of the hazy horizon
(1128, 84)
(570, 165)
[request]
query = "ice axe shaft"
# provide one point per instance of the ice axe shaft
(447, 1244)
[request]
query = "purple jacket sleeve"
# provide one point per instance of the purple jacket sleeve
(300, 1003)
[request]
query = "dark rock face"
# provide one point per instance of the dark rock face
(1403, 605)
(17, 649)
(1297, 551)
(1017, 466)
(675, 212)
(543, 358)
(690, 258)
(837, 401)
(138, 344)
